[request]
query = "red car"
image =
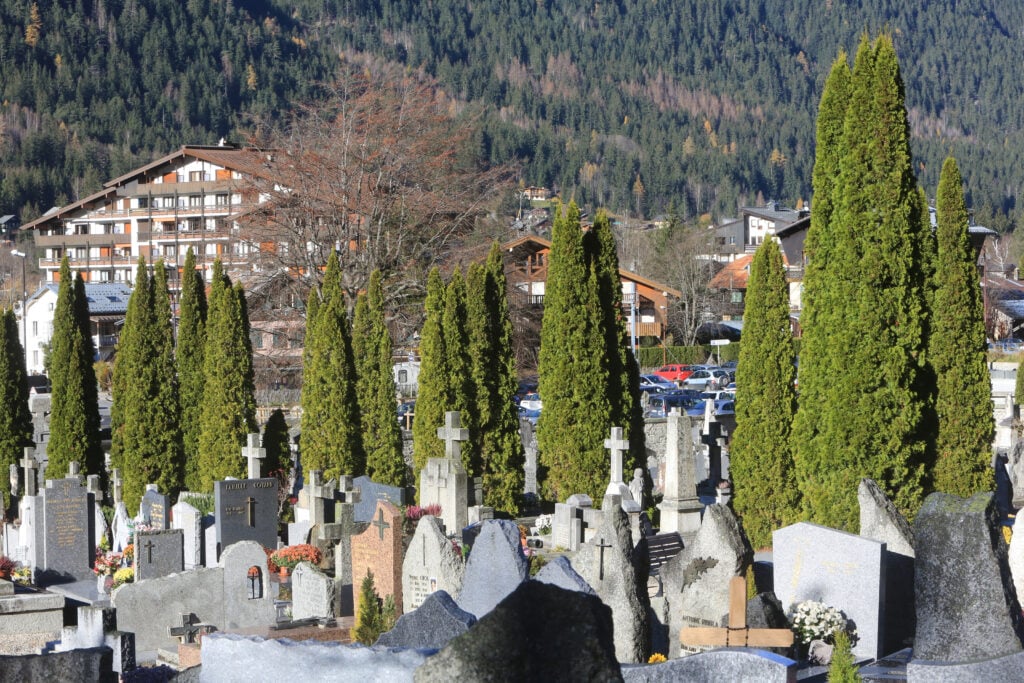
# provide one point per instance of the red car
(674, 372)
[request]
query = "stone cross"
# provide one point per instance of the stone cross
(736, 634)
(380, 523)
(452, 433)
(254, 454)
(30, 464)
(118, 486)
(92, 484)
(74, 470)
(617, 445)
(600, 567)
(188, 630)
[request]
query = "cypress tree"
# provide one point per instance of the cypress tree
(162, 404)
(277, 443)
(490, 326)
(821, 311)
(874, 399)
(74, 417)
(371, 343)
(572, 370)
(228, 413)
(761, 457)
(459, 370)
(959, 351)
(432, 399)
(15, 417)
(623, 390)
(189, 357)
(331, 429)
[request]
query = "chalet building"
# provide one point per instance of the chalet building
(741, 236)
(644, 301)
(190, 198)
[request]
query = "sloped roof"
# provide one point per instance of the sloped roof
(104, 297)
(734, 275)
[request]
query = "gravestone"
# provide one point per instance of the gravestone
(680, 508)
(966, 606)
(495, 568)
(102, 530)
(253, 454)
(346, 527)
(312, 593)
(28, 510)
(121, 524)
(696, 581)
(617, 571)
(842, 570)
(529, 438)
(65, 536)
(732, 664)
(431, 625)
(369, 493)
(1015, 560)
(570, 521)
(431, 564)
(190, 521)
(158, 553)
(379, 550)
(572, 641)
(559, 572)
(443, 481)
(881, 521)
(617, 445)
(246, 510)
(248, 601)
(154, 508)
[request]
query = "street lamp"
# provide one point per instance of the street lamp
(24, 293)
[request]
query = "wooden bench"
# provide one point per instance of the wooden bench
(663, 547)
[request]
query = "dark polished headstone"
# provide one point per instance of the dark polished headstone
(245, 510)
(65, 533)
(155, 509)
(158, 553)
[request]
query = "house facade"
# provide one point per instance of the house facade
(190, 198)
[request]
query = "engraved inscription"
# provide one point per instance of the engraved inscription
(419, 587)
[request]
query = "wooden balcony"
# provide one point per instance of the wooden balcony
(104, 240)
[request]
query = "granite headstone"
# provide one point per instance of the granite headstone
(378, 550)
(65, 536)
(246, 510)
(154, 508)
(312, 593)
(559, 572)
(431, 625)
(495, 568)
(158, 553)
(190, 521)
(431, 564)
(370, 492)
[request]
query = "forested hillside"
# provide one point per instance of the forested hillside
(629, 104)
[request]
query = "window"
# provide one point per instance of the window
(35, 328)
(222, 200)
(256, 339)
(35, 358)
(737, 297)
(143, 202)
(403, 376)
(196, 176)
(195, 200)
(280, 340)
(254, 579)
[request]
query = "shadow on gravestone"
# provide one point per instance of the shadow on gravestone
(538, 633)
(431, 625)
(559, 572)
(966, 606)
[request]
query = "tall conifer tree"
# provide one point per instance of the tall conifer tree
(490, 327)
(15, 418)
(959, 351)
(432, 399)
(371, 343)
(228, 413)
(573, 374)
(165, 432)
(74, 417)
(331, 429)
(459, 370)
(761, 457)
(189, 357)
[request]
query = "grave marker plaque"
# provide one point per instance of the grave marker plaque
(65, 532)
(379, 550)
(246, 510)
(154, 508)
(158, 553)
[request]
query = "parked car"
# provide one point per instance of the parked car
(719, 395)
(722, 407)
(711, 378)
(660, 405)
(530, 401)
(655, 383)
(674, 372)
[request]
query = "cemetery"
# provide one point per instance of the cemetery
(588, 592)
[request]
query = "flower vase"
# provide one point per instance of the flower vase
(284, 572)
(103, 583)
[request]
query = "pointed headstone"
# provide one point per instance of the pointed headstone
(559, 572)
(495, 568)
(431, 625)
(431, 564)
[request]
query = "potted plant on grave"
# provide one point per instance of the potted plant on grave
(103, 567)
(7, 566)
(815, 626)
(285, 559)
(122, 576)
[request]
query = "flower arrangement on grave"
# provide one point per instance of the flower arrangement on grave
(656, 658)
(129, 555)
(291, 555)
(122, 576)
(813, 620)
(7, 566)
(22, 575)
(415, 513)
(543, 525)
(106, 563)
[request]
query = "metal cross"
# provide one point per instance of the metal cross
(452, 433)
(617, 445)
(149, 550)
(380, 523)
(251, 502)
(187, 631)
(254, 454)
(600, 567)
(30, 465)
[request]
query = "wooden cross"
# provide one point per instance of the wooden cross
(30, 465)
(149, 550)
(736, 634)
(617, 445)
(452, 433)
(600, 567)
(380, 523)
(254, 454)
(251, 503)
(187, 631)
